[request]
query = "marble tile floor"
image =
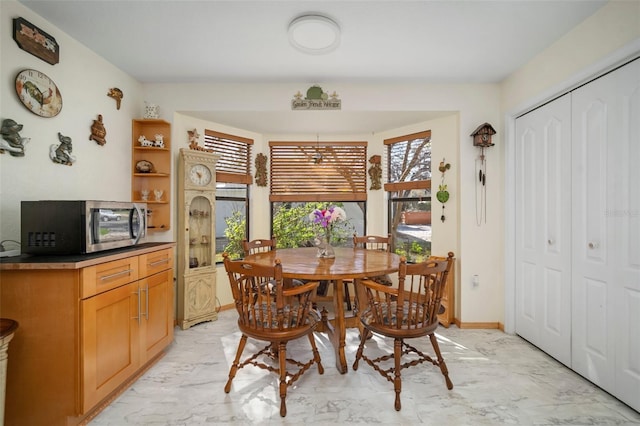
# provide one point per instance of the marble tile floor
(498, 379)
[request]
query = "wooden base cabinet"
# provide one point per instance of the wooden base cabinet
(92, 329)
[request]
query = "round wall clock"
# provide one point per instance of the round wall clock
(200, 174)
(38, 93)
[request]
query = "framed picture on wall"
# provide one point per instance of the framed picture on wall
(35, 41)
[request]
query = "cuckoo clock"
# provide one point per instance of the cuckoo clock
(482, 135)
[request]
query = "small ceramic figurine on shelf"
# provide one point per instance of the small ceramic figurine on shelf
(151, 110)
(98, 132)
(144, 141)
(159, 142)
(61, 153)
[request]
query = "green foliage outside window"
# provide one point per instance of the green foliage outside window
(235, 233)
(292, 227)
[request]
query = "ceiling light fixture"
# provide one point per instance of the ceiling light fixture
(314, 34)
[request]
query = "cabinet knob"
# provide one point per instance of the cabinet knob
(593, 245)
(550, 241)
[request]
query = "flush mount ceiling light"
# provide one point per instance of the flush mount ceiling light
(314, 34)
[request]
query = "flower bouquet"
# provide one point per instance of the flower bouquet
(326, 220)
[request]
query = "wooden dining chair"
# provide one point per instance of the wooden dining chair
(407, 311)
(275, 317)
(258, 246)
(370, 242)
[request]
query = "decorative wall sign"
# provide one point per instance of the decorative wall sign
(98, 132)
(38, 93)
(35, 41)
(316, 99)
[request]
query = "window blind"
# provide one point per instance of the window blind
(409, 162)
(234, 164)
(318, 171)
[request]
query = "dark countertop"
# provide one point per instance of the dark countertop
(77, 261)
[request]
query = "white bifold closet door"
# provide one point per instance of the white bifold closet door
(543, 228)
(578, 230)
(606, 232)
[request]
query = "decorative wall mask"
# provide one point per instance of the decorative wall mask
(61, 153)
(11, 139)
(98, 132)
(116, 94)
(375, 172)
(261, 169)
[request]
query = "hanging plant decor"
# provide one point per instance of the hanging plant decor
(443, 195)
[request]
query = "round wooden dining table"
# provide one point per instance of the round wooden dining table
(349, 263)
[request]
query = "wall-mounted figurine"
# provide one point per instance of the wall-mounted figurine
(98, 132)
(194, 137)
(375, 172)
(116, 94)
(261, 169)
(443, 194)
(11, 139)
(61, 153)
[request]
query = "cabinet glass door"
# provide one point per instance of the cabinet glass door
(200, 238)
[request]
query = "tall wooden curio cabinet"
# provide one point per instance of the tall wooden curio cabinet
(196, 237)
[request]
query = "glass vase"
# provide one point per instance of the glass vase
(325, 250)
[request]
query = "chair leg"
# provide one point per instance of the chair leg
(347, 296)
(316, 354)
(363, 339)
(397, 380)
(282, 358)
(236, 363)
(441, 363)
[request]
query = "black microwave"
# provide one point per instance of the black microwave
(80, 227)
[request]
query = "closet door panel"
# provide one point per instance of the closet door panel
(626, 217)
(606, 228)
(543, 203)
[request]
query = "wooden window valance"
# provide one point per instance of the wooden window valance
(318, 171)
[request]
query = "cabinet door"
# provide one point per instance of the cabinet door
(198, 301)
(157, 312)
(543, 228)
(606, 226)
(110, 345)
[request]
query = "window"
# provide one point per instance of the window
(409, 194)
(310, 175)
(233, 177)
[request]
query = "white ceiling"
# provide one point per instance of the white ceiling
(241, 41)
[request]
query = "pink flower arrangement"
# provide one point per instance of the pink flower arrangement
(326, 218)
